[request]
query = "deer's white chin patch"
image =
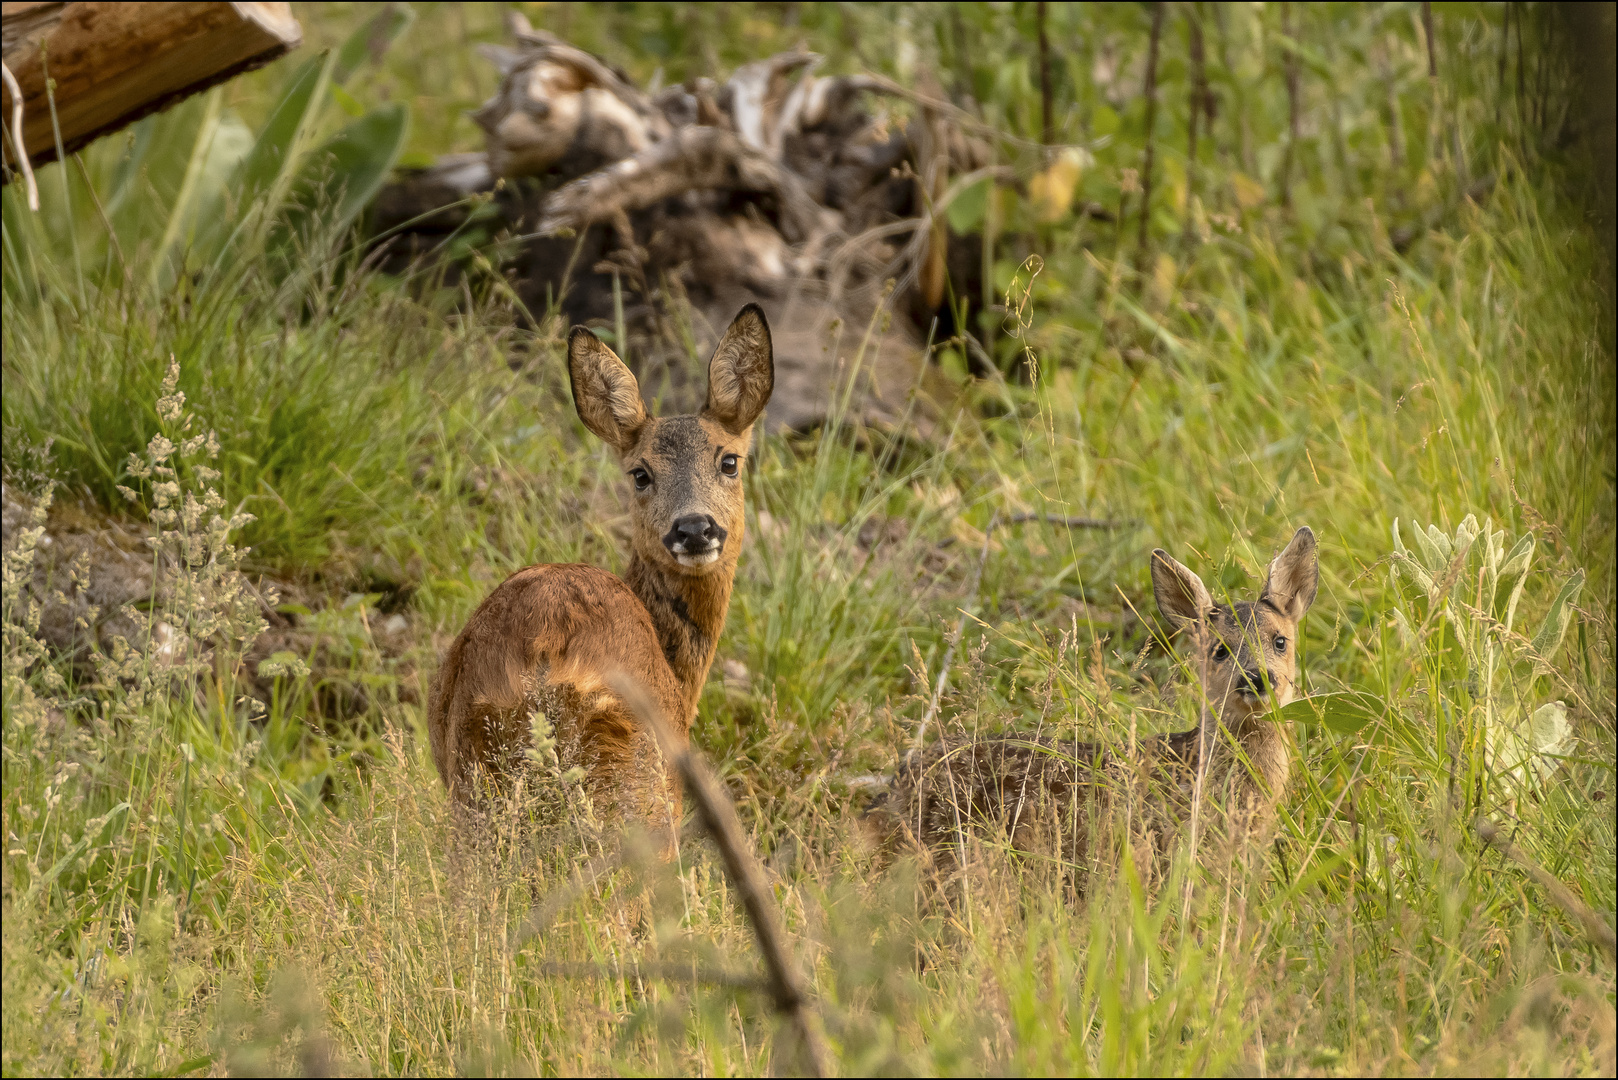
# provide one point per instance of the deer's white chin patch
(704, 559)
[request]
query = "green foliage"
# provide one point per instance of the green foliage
(233, 855)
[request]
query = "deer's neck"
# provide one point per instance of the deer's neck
(1262, 778)
(688, 613)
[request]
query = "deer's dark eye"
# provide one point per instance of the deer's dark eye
(1221, 654)
(730, 464)
(1280, 644)
(642, 478)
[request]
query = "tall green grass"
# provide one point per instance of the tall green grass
(198, 881)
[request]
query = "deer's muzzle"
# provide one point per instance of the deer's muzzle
(1254, 684)
(695, 540)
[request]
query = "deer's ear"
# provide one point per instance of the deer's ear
(1181, 595)
(1294, 576)
(604, 391)
(741, 374)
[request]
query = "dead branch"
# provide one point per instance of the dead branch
(718, 817)
(1151, 124)
(667, 971)
(1290, 65)
(690, 159)
(1594, 925)
(1067, 522)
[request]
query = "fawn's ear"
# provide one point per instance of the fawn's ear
(1294, 576)
(1181, 595)
(741, 374)
(604, 390)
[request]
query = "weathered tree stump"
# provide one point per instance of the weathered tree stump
(678, 205)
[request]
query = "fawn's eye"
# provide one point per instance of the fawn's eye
(1221, 654)
(1280, 644)
(642, 478)
(729, 464)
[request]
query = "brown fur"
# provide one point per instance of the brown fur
(550, 637)
(1023, 787)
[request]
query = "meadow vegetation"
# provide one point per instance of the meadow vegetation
(226, 846)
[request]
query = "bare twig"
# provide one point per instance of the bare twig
(1067, 522)
(881, 84)
(905, 267)
(1290, 66)
(16, 137)
(693, 158)
(672, 971)
(955, 638)
(718, 816)
(1151, 124)
(1048, 131)
(1199, 102)
(1594, 925)
(1432, 50)
(1056, 519)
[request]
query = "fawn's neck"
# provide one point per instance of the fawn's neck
(688, 613)
(1269, 752)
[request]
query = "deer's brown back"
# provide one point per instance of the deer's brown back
(546, 640)
(1029, 790)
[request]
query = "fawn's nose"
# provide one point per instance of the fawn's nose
(695, 534)
(1254, 682)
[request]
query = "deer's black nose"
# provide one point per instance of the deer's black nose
(694, 534)
(1254, 682)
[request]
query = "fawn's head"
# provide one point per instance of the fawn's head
(686, 469)
(1248, 651)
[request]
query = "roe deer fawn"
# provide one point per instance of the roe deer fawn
(1247, 657)
(549, 637)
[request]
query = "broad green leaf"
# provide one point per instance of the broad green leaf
(1404, 563)
(1516, 561)
(371, 41)
(222, 142)
(351, 166)
(1537, 743)
(1434, 547)
(1552, 630)
(1344, 713)
(264, 175)
(1549, 731)
(1493, 547)
(965, 212)
(277, 144)
(1516, 566)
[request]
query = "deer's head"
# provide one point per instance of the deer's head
(686, 470)
(1248, 651)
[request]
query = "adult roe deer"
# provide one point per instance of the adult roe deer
(549, 637)
(1247, 659)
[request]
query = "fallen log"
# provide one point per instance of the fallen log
(113, 63)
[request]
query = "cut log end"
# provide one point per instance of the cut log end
(114, 63)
